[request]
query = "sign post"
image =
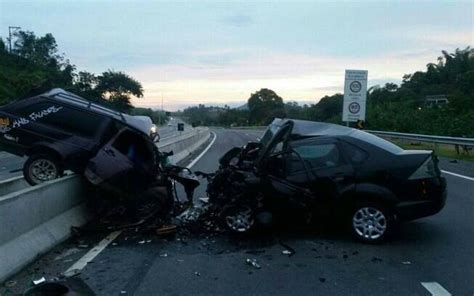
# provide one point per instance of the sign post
(355, 96)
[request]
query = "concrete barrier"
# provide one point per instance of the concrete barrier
(186, 144)
(13, 184)
(35, 219)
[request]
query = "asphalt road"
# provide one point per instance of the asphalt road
(10, 165)
(437, 250)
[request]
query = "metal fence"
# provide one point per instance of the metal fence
(467, 142)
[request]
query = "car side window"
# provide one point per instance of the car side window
(355, 154)
(317, 156)
(64, 118)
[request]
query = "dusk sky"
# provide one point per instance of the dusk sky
(217, 52)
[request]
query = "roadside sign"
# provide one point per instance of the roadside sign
(355, 95)
(180, 127)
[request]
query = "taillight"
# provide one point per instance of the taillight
(427, 170)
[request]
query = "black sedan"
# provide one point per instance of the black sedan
(326, 170)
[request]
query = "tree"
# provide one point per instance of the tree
(3, 47)
(118, 88)
(264, 105)
(39, 50)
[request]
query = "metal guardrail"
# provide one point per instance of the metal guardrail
(426, 138)
(468, 142)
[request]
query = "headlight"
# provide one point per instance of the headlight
(153, 130)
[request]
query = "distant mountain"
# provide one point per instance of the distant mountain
(243, 107)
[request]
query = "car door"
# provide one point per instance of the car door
(111, 161)
(318, 165)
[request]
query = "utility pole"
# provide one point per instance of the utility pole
(10, 28)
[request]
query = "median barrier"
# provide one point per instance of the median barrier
(13, 184)
(37, 218)
(186, 144)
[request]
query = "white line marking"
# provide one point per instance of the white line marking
(435, 289)
(458, 175)
(89, 256)
(202, 153)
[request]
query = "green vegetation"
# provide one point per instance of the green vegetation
(394, 108)
(440, 149)
(35, 66)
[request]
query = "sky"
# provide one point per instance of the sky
(219, 52)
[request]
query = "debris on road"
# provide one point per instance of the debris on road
(253, 262)
(10, 284)
(197, 273)
(166, 230)
(376, 259)
(406, 262)
(39, 281)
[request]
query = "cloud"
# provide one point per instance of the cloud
(292, 76)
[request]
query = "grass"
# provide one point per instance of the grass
(443, 150)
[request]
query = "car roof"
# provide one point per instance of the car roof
(305, 128)
(138, 122)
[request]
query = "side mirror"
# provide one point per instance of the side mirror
(156, 138)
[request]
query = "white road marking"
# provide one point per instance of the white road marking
(435, 289)
(458, 175)
(89, 256)
(202, 153)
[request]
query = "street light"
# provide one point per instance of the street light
(10, 28)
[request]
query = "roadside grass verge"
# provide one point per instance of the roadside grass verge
(440, 149)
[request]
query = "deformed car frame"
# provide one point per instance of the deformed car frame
(326, 170)
(59, 131)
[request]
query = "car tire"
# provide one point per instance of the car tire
(40, 168)
(370, 222)
(238, 218)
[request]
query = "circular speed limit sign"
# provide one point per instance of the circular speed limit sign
(355, 86)
(354, 107)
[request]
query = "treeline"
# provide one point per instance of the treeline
(402, 108)
(33, 66)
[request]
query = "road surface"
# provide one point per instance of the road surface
(430, 256)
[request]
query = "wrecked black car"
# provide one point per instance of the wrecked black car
(60, 131)
(328, 171)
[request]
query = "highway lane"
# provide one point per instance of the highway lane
(10, 165)
(435, 249)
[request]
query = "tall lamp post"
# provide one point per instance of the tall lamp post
(10, 29)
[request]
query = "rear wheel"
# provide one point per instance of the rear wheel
(40, 168)
(370, 222)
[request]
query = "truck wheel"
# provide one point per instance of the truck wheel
(40, 168)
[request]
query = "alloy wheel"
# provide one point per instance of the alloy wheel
(369, 223)
(42, 170)
(239, 219)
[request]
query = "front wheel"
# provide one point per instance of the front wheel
(370, 222)
(40, 168)
(238, 218)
